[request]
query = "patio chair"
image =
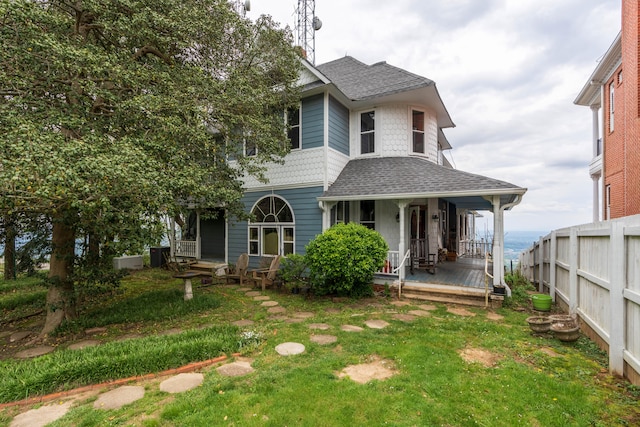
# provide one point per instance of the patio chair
(266, 277)
(239, 273)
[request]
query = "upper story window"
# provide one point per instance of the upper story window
(367, 132)
(293, 122)
(611, 106)
(250, 148)
(418, 131)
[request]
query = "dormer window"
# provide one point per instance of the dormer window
(418, 131)
(367, 132)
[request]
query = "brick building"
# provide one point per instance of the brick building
(612, 93)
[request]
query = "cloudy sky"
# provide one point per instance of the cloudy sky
(508, 72)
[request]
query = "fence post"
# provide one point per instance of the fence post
(617, 284)
(573, 270)
(541, 266)
(553, 247)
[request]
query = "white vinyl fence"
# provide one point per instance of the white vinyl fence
(593, 270)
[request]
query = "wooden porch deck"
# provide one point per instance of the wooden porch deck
(467, 272)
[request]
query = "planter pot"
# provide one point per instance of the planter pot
(567, 320)
(539, 324)
(541, 302)
(565, 332)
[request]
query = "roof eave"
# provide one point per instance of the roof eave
(443, 194)
(589, 94)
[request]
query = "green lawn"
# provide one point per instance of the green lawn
(530, 380)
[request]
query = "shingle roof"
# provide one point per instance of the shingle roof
(359, 81)
(397, 176)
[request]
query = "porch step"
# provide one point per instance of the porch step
(451, 294)
(203, 267)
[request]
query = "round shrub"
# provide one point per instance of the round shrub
(344, 258)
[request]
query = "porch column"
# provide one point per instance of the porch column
(402, 210)
(596, 197)
(498, 242)
(198, 237)
(325, 207)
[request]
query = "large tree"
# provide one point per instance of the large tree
(114, 112)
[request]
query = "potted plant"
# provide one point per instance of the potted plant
(539, 324)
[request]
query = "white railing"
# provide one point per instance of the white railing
(474, 248)
(186, 248)
(391, 263)
(400, 270)
(593, 270)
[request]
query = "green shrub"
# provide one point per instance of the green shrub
(344, 258)
(519, 286)
(293, 270)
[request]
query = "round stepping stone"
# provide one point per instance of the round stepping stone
(276, 310)
(83, 344)
(351, 328)
(243, 322)
(269, 304)
(34, 352)
(400, 303)
(117, 398)
(404, 317)
(323, 339)
(303, 314)
(321, 326)
(181, 382)
(376, 324)
(253, 293)
(261, 298)
(289, 348)
(42, 416)
(420, 313)
(18, 336)
(235, 369)
(427, 307)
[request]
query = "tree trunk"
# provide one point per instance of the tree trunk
(60, 298)
(9, 249)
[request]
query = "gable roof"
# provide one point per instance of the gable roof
(360, 82)
(413, 177)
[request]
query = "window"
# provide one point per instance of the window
(340, 213)
(611, 106)
(620, 77)
(273, 230)
(250, 148)
(418, 131)
(367, 132)
(368, 213)
(293, 122)
(608, 202)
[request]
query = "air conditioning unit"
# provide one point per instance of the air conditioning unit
(130, 262)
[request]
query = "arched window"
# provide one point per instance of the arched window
(272, 232)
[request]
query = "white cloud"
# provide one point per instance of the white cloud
(508, 72)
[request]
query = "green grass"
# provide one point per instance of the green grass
(536, 380)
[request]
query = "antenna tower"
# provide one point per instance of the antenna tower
(306, 26)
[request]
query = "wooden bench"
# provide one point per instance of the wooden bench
(188, 288)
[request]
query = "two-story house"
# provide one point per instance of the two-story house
(367, 146)
(612, 94)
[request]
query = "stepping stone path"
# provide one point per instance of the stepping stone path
(321, 326)
(400, 303)
(235, 369)
(181, 382)
(34, 352)
(427, 307)
(351, 328)
(261, 298)
(117, 398)
(253, 293)
(83, 344)
(42, 416)
(323, 339)
(419, 313)
(460, 311)
(289, 348)
(303, 314)
(276, 310)
(404, 317)
(494, 316)
(269, 304)
(376, 324)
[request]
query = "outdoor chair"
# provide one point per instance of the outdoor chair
(239, 273)
(266, 277)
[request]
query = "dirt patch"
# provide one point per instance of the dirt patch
(460, 311)
(375, 369)
(477, 355)
(494, 316)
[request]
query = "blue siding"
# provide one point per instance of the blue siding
(307, 214)
(338, 126)
(313, 122)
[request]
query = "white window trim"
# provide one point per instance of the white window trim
(412, 131)
(280, 226)
(612, 106)
(286, 122)
(375, 130)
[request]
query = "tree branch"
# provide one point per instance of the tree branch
(148, 49)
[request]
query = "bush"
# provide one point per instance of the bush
(519, 286)
(344, 258)
(293, 270)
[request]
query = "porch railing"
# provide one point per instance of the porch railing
(474, 248)
(186, 248)
(391, 263)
